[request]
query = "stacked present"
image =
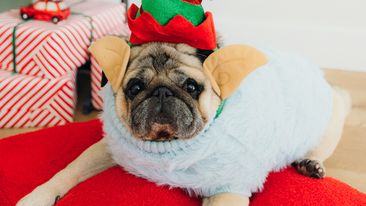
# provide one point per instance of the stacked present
(96, 81)
(38, 62)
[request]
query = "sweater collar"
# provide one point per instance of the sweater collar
(114, 126)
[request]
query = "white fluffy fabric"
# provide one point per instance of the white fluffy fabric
(278, 114)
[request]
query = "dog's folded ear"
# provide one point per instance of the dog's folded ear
(228, 66)
(112, 54)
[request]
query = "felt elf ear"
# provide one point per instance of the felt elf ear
(112, 54)
(228, 66)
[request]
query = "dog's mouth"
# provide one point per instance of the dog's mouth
(160, 133)
(174, 119)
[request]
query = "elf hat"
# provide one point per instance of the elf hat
(173, 21)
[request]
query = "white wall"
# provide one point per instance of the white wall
(330, 32)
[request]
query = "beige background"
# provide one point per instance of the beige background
(320, 30)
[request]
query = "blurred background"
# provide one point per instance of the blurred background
(330, 32)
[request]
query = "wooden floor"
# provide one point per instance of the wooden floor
(348, 163)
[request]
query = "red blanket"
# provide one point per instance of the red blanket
(28, 160)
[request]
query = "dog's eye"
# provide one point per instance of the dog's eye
(134, 87)
(193, 88)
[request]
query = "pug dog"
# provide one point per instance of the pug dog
(179, 116)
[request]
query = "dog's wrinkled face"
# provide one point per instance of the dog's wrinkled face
(165, 94)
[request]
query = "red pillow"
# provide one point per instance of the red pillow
(28, 160)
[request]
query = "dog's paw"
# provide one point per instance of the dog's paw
(41, 196)
(310, 168)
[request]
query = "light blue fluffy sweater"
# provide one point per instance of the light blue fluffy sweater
(278, 114)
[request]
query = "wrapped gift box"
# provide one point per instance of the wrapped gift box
(46, 59)
(29, 101)
(52, 50)
(96, 80)
(39, 89)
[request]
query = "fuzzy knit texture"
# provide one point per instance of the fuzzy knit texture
(278, 114)
(28, 160)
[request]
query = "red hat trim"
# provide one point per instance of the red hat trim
(193, 1)
(146, 29)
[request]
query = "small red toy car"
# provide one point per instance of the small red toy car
(48, 10)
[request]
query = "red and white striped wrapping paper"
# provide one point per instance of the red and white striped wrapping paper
(47, 50)
(96, 80)
(29, 101)
(47, 55)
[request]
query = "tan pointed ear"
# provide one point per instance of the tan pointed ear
(112, 54)
(228, 66)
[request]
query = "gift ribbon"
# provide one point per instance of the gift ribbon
(14, 45)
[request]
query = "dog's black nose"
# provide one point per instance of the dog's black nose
(162, 92)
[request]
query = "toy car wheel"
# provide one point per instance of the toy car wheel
(55, 19)
(24, 16)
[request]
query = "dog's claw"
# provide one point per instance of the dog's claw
(57, 199)
(310, 168)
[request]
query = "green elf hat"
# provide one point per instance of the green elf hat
(173, 21)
